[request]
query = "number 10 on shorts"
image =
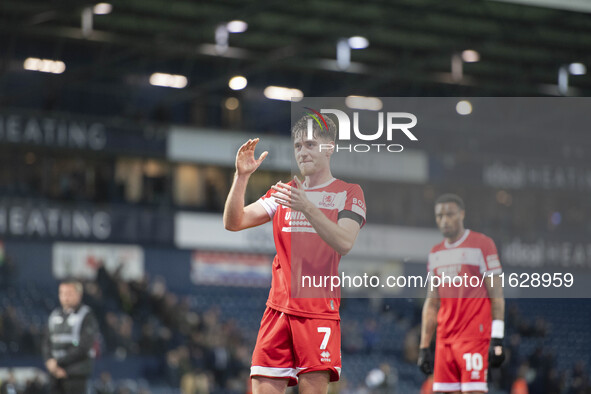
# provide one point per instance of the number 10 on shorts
(473, 361)
(326, 331)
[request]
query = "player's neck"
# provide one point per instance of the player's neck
(319, 178)
(455, 239)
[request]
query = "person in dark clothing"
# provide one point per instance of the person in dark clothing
(69, 346)
(9, 386)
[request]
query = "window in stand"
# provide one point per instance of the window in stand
(189, 186)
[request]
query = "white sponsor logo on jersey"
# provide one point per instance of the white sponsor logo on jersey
(449, 270)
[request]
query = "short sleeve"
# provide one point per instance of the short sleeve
(492, 264)
(354, 205)
(430, 261)
(268, 202)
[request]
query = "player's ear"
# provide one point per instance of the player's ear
(328, 148)
(462, 214)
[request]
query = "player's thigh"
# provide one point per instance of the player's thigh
(472, 356)
(265, 385)
(317, 346)
(446, 374)
(314, 382)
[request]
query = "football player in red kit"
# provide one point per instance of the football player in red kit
(315, 222)
(469, 320)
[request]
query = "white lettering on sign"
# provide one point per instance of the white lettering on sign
(53, 222)
(52, 132)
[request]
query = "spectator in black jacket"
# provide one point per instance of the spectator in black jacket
(69, 347)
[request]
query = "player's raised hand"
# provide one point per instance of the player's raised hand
(245, 162)
(293, 197)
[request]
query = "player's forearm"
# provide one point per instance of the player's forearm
(429, 321)
(497, 308)
(234, 208)
(337, 237)
(497, 299)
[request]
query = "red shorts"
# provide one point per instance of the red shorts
(289, 345)
(461, 365)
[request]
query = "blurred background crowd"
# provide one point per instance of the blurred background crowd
(154, 339)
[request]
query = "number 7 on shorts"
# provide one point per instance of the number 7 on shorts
(326, 331)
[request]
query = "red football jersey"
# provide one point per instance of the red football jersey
(303, 256)
(465, 312)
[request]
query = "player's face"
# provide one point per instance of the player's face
(312, 155)
(449, 218)
(69, 296)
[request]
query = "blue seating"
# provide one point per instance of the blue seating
(394, 319)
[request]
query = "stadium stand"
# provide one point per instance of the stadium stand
(154, 339)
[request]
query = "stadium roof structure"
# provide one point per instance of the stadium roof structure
(412, 45)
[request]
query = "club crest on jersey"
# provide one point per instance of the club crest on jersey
(328, 200)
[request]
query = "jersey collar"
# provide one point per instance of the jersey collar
(459, 241)
(331, 180)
